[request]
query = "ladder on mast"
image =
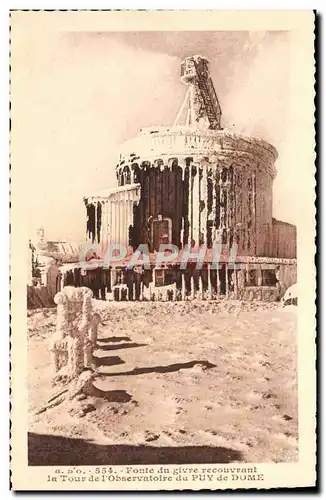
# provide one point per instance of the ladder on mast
(201, 98)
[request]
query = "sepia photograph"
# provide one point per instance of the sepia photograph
(163, 228)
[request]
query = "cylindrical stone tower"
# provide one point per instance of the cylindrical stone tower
(199, 183)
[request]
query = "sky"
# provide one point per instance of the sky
(77, 95)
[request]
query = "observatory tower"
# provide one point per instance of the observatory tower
(195, 183)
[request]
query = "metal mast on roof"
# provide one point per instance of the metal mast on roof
(201, 104)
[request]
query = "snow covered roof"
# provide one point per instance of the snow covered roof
(105, 193)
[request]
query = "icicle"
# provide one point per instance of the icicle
(209, 281)
(192, 285)
(183, 287)
(217, 281)
(200, 287)
(227, 281)
(183, 167)
(235, 281)
(203, 196)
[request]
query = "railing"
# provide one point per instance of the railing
(179, 140)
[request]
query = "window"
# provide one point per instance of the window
(159, 277)
(164, 277)
(268, 277)
(251, 278)
(231, 280)
(119, 277)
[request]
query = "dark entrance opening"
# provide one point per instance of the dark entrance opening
(160, 233)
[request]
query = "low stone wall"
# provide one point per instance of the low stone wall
(42, 294)
(38, 297)
(265, 293)
(258, 279)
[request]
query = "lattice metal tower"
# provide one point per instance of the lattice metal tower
(201, 105)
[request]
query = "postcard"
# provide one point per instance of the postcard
(162, 250)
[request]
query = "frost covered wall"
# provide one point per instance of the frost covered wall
(110, 215)
(284, 240)
(205, 185)
(183, 186)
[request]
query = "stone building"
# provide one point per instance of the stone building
(196, 184)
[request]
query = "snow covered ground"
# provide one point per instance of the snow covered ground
(183, 382)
